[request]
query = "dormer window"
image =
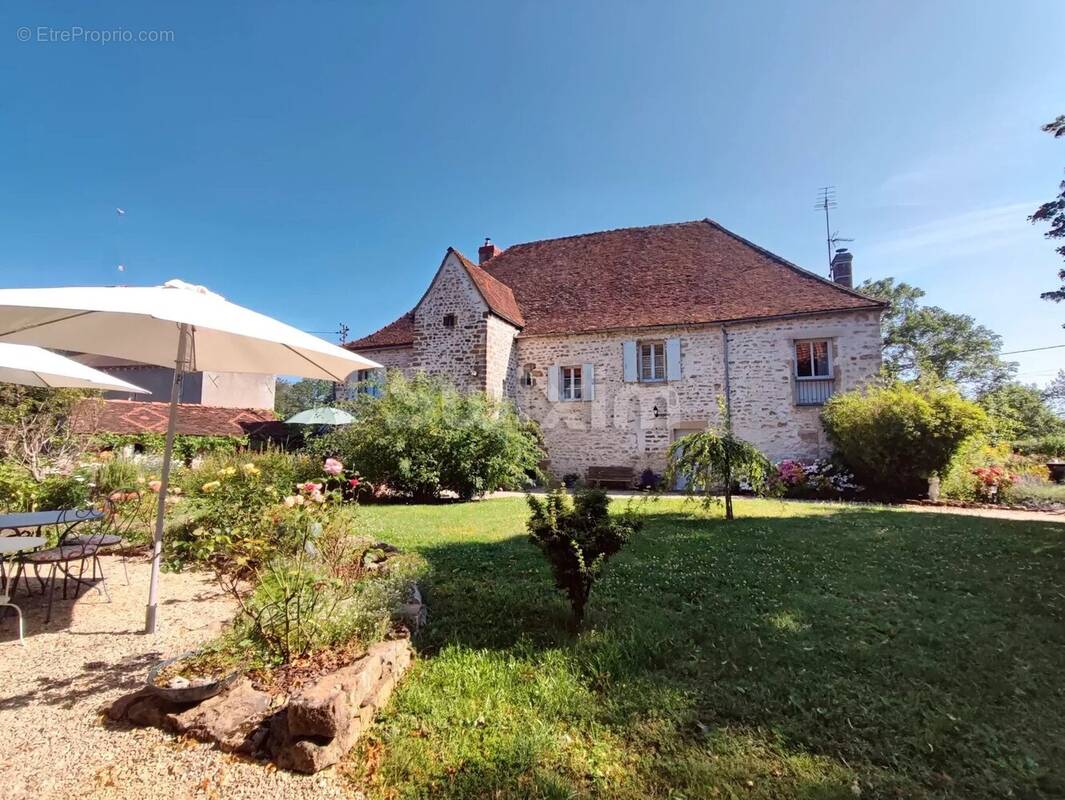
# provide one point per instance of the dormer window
(449, 320)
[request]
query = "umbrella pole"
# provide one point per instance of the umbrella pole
(164, 482)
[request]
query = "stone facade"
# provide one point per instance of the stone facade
(454, 333)
(619, 427)
(616, 424)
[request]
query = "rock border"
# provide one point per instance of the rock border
(306, 732)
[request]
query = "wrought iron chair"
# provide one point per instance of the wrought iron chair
(5, 602)
(71, 549)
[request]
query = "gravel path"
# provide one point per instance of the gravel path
(56, 743)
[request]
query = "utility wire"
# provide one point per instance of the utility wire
(1032, 349)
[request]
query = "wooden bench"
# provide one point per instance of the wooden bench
(597, 476)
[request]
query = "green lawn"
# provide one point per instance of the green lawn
(808, 651)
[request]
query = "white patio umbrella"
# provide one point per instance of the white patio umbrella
(34, 366)
(175, 324)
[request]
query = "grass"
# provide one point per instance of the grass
(803, 651)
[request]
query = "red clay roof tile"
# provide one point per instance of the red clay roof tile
(133, 417)
(675, 274)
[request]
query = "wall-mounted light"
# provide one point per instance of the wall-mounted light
(658, 414)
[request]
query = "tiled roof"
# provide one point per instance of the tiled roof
(497, 295)
(681, 273)
(395, 334)
(132, 417)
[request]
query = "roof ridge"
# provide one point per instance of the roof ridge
(476, 274)
(791, 265)
(596, 233)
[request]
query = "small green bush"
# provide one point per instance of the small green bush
(421, 437)
(322, 594)
(895, 436)
(960, 480)
(18, 489)
(577, 538)
(1048, 446)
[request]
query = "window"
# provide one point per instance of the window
(369, 381)
(652, 361)
(527, 377)
(812, 360)
(449, 320)
(571, 383)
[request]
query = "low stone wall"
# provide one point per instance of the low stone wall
(306, 732)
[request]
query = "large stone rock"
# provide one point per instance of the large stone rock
(321, 724)
(324, 709)
(230, 719)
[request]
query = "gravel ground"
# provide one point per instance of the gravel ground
(55, 740)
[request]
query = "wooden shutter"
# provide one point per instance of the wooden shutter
(628, 350)
(588, 381)
(673, 359)
(552, 383)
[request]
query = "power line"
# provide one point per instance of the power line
(1031, 350)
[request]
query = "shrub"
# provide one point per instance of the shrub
(421, 437)
(895, 436)
(18, 489)
(228, 525)
(712, 461)
(1048, 446)
(959, 481)
(321, 594)
(649, 480)
(577, 538)
(820, 479)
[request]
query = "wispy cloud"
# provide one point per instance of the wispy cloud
(973, 232)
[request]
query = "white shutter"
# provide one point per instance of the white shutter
(628, 350)
(588, 381)
(552, 384)
(673, 359)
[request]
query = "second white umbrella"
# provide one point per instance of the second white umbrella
(175, 324)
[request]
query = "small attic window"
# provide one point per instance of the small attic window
(449, 320)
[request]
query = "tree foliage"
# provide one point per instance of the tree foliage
(421, 436)
(923, 342)
(36, 431)
(895, 436)
(1054, 393)
(1052, 213)
(293, 397)
(1020, 411)
(712, 461)
(577, 538)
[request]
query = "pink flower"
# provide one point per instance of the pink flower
(155, 486)
(310, 487)
(333, 467)
(317, 497)
(353, 482)
(290, 501)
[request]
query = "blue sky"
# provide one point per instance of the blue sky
(314, 161)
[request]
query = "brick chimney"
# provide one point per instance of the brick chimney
(840, 268)
(487, 250)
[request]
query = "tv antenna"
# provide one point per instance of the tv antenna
(826, 200)
(341, 332)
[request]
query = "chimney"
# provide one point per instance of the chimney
(487, 250)
(840, 268)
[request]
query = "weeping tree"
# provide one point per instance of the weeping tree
(714, 461)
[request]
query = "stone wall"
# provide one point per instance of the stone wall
(457, 353)
(500, 357)
(619, 427)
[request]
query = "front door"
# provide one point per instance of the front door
(681, 482)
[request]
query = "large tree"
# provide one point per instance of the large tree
(927, 341)
(1054, 393)
(1053, 213)
(291, 398)
(1020, 411)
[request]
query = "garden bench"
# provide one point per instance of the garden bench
(597, 476)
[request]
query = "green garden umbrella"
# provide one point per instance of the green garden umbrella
(321, 416)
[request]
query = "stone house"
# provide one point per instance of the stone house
(619, 342)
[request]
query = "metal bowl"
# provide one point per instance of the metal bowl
(187, 694)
